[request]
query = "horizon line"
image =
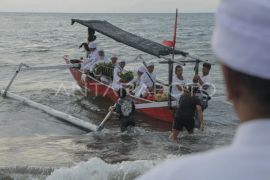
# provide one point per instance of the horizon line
(106, 12)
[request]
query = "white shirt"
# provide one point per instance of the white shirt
(175, 91)
(138, 88)
(247, 158)
(96, 60)
(145, 83)
(135, 81)
(207, 80)
(116, 79)
(145, 79)
(103, 59)
(90, 60)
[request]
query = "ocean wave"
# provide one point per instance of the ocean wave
(97, 169)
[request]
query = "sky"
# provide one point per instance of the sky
(108, 6)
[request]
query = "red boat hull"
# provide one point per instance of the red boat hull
(97, 88)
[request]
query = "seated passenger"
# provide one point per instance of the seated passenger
(105, 79)
(114, 60)
(118, 69)
(178, 83)
(134, 84)
(101, 57)
(91, 59)
(148, 81)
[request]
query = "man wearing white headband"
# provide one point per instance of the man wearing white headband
(91, 58)
(118, 69)
(241, 42)
(148, 80)
(136, 82)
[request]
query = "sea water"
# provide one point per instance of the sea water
(35, 145)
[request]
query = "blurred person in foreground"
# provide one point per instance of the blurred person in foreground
(241, 42)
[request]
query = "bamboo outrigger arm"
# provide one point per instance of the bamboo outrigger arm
(25, 67)
(13, 78)
(73, 120)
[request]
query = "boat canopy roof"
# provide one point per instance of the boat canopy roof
(127, 38)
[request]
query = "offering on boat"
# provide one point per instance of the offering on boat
(105, 69)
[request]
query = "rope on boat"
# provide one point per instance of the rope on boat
(68, 118)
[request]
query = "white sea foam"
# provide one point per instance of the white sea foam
(97, 169)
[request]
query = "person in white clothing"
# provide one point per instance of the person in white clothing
(114, 60)
(241, 43)
(206, 86)
(91, 59)
(99, 59)
(204, 80)
(149, 77)
(117, 84)
(148, 81)
(102, 58)
(135, 83)
(178, 83)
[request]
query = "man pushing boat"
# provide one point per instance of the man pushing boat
(188, 105)
(125, 108)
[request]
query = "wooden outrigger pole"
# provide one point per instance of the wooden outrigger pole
(171, 61)
(82, 124)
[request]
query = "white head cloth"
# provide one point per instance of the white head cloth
(92, 45)
(241, 37)
(141, 69)
(151, 64)
(122, 61)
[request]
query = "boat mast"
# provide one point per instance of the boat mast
(170, 62)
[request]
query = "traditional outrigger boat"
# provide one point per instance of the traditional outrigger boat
(158, 110)
(161, 110)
